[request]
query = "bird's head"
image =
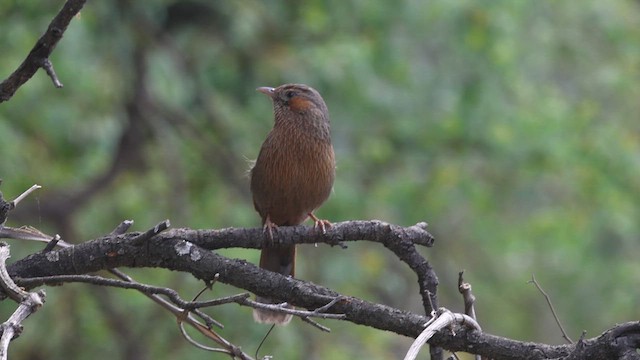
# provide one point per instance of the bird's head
(296, 102)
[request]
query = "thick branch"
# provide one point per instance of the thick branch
(169, 250)
(252, 238)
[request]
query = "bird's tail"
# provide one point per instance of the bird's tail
(280, 259)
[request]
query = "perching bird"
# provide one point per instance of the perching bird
(292, 176)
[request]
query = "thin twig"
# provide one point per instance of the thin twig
(121, 228)
(48, 68)
(220, 301)
(315, 324)
(467, 296)
(123, 284)
(5, 206)
(264, 338)
(209, 321)
(284, 309)
(469, 300)
(26, 193)
(52, 244)
(29, 233)
(553, 310)
(183, 331)
(184, 316)
(330, 304)
(26, 232)
(160, 227)
(179, 307)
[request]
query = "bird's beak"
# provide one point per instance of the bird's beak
(266, 90)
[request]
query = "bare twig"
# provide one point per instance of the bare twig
(469, 300)
(229, 349)
(160, 227)
(52, 244)
(25, 232)
(180, 308)
(553, 310)
(171, 294)
(26, 193)
(315, 324)
(29, 303)
(322, 309)
(48, 67)
(5, 206)
(122, 227)
(209, 321)
(39, 55)
(31, 234)
(444, 319)
(330, 304)
(183, 315)
(287, 310)
(193, 342)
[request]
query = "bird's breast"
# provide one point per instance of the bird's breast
(292, 176)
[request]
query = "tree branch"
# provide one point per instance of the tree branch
(189, 251)
(29, 303)
(178, 250)
(553, 310)
(39, 56)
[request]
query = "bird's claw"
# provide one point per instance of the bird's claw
(268, 229)
(320, 223)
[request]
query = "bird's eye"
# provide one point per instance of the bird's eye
(289, 94)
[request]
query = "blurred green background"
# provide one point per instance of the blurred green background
(511, 127)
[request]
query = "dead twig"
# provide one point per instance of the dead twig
(160, 227)
(469, 300)
(39, 55)
(283, 307)
(467, 296)
(26, 193)
(25, 232)
(444, 318)
(29, 304)
(553, 310)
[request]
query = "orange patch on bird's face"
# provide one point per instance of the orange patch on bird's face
(299, 104)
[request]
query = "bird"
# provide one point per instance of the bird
(292, 176)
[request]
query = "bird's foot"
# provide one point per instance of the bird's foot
(268, 229)
(320, 224)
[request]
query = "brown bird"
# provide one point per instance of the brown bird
(292, 176)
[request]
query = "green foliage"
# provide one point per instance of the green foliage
(510, 126)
